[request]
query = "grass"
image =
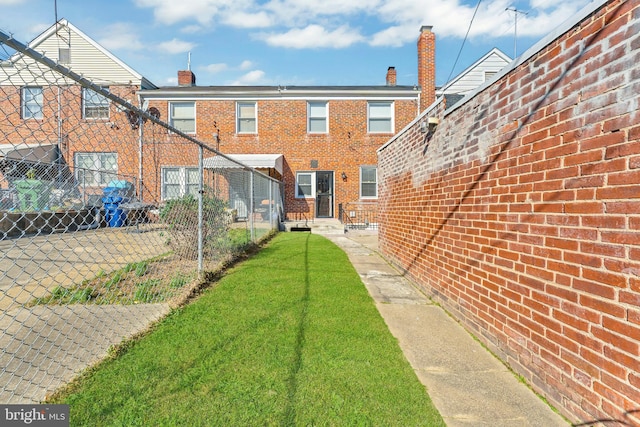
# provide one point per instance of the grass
(289, 337)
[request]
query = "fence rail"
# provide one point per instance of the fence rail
(109, 216)
(358, 216)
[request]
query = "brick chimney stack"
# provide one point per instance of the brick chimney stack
(391, 76)
(186, 78)
(427, 66)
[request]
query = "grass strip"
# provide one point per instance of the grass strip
(289, 337)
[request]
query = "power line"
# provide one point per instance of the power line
(463, 42)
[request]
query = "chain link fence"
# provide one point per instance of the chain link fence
(109, 217)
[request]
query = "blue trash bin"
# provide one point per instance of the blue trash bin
(113, 215)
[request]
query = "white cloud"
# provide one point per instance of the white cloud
(176, 46)
(314, 36)
(216, 68)
(248, 20)
(245, 65)
(303, 24)
(120, 36)
(202, 11)
(251, 78)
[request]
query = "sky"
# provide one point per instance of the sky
(293, 42)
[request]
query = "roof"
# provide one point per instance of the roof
(56, 28)
(281, 91)
(502, 61)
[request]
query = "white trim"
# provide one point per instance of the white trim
(312, 174)
(64, 23)
(255, 117)
(326, 117)
(170, 116)
(361, 182)
(391, 117)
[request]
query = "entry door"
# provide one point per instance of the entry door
(324, 194)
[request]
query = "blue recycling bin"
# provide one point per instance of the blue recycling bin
(113, 198)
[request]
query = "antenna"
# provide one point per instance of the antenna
(189, 61)
(515, 35)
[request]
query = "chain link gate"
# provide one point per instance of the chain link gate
(109, 217)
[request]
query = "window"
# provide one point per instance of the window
(246, 117)
(179, 181)
(380, 117)
(488, 75)
(32, 103)
(317, 117)
(305, 185)
(96, 169)
(94, 105)
(64, 55)
(368, 182)
(182, 116)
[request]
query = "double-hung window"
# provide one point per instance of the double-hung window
(182, 116)
(380, 117)
(368, 182)
(31, 102)
(179, 181)
(317, 117)
(94, 105)
(305, 185)
(96, 169)
(246, 117)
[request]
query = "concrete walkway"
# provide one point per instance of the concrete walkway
(468, 385)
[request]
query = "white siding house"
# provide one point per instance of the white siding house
(71, 48)
(476, 74)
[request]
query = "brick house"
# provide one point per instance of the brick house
(319, 141)
(63, 133)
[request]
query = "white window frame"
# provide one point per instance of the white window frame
(375, 116)
(182, 122)
(488, 75)
(312, 178)
(185, 186)
(240, 120)
(314, 117)
(32, 102)
(362, 182)
(97, 170)
(95, 106)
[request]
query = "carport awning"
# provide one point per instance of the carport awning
(256, 161)
(42, 153)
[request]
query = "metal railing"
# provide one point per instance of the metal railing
(358, 215)
(106, 222)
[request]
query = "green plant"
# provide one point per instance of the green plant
(288, 337)
(181, 217)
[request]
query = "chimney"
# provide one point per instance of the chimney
(391, 76)
(186, 78)
(427, 66)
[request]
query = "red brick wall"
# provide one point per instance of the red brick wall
(522, 215)
(282, 129)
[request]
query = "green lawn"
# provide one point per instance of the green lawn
(289, 337)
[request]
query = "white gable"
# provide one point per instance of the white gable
(66, 44)
(475, 75)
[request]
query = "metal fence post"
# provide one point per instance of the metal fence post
(200, 209)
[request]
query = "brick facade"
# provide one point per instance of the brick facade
(520, 215)
(282, 129)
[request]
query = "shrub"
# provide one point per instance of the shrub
(181, 217)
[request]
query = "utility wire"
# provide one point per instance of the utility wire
(463, 42)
